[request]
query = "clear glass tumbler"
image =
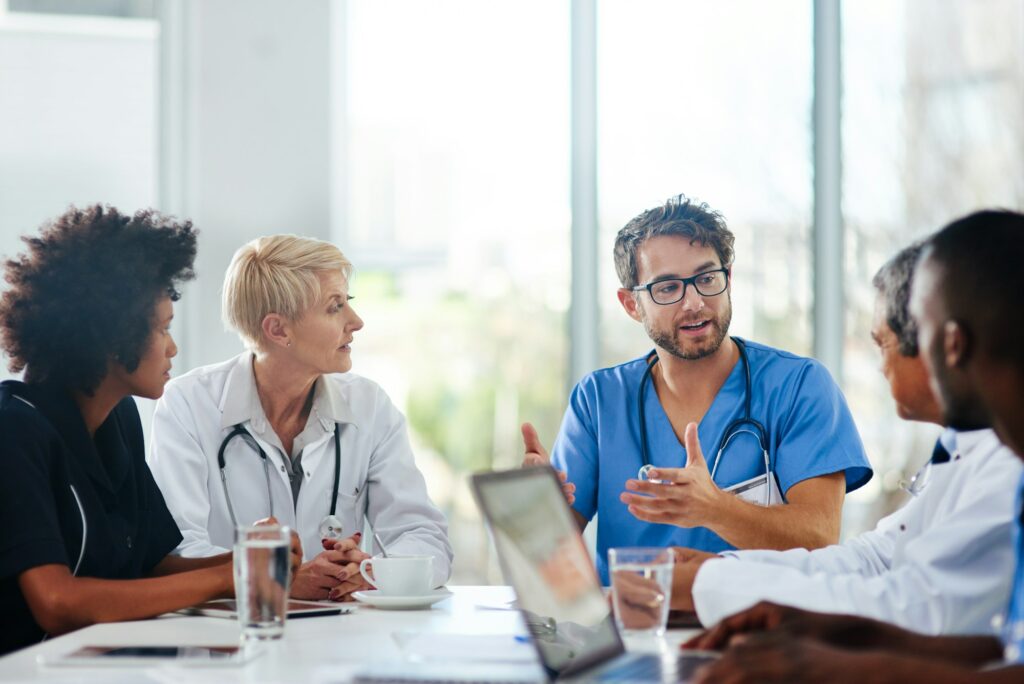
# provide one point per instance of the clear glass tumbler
(641, 589)
(262, 579)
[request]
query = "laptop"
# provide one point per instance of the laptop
(543, 557)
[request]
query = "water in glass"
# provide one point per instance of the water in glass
(261, 580)
(641, 589)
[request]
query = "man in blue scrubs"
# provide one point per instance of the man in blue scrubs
(675, 265)
(966, 300)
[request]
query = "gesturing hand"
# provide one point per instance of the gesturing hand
(686, 497)
(536, 454)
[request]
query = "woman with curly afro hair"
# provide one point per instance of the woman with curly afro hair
(87, 536)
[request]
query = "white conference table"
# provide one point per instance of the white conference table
(320, 649)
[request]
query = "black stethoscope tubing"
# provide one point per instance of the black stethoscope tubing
(733, 429)
(239, 431)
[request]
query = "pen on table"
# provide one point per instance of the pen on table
(320, 613)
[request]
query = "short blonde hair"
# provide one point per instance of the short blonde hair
(276, 274)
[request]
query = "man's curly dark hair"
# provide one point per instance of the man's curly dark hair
(85, 291)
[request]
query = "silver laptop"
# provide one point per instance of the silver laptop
(544, 558)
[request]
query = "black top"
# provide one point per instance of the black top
(46, 459)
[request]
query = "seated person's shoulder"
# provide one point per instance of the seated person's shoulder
(350, 384)
(775, 355)
(361, 396)
(24, 430)
(210, 378)
(624, 375)
(782, 363)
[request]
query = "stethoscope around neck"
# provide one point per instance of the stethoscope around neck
(744, 425)
(330, 526)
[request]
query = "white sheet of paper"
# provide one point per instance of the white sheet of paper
(753, 490)
(492, 648)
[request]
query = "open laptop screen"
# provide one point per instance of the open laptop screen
(544, 559)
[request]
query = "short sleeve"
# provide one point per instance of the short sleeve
(576, 451)
(28, 506)
(818, 436)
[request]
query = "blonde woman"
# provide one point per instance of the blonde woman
(285, 430)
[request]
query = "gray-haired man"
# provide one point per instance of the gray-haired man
(942, 564)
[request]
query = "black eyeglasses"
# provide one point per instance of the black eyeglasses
(671, 290)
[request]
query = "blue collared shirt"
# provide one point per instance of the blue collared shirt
(810, 433)
(1013, 629)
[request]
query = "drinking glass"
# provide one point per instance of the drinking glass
(262, 579)
(641, 589)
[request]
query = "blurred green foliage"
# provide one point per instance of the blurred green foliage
(476, 369)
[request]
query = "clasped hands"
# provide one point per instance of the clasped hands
(333, 575)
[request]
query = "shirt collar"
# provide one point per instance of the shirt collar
(948, 439)
(241, 402)
(963, 442)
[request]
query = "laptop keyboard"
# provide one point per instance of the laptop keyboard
(645, 668)
(652, 668)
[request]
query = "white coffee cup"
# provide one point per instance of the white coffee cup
(400, 575)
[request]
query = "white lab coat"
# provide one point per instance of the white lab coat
(379, 479)
(942, 564)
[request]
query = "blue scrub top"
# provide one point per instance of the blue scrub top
(1013, 629)
(810, 433)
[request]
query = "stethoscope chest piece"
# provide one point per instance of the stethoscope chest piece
(331, 527)
(745, 424)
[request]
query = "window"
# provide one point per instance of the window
(933, 123)
(458, 225)
(712, 100)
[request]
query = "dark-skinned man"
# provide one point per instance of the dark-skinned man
(966, 300)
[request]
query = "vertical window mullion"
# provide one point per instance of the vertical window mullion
(583, 311)
(827, 267)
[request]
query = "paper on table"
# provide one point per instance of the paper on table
(491, 648)
(501, 605)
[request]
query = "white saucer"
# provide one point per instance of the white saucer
(375, 598)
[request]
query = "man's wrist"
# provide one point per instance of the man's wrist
(699, 584)
(721, 511)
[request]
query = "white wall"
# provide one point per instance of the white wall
(77, 118)
(247, 122)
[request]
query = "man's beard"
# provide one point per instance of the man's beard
(669, 339)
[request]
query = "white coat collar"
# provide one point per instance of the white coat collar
(968, 440)
(241, 403)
